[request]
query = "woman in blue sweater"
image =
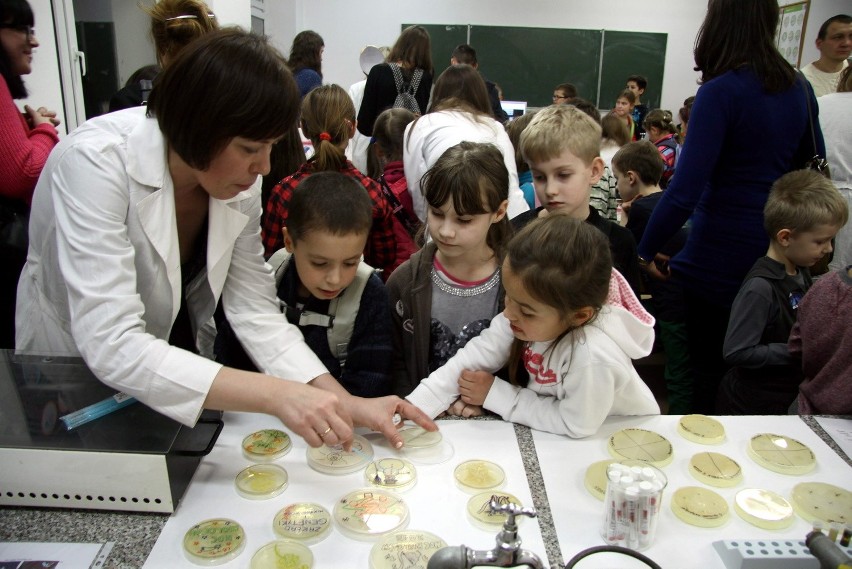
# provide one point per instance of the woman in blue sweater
(749, 126)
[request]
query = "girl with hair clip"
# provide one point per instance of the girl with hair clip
(460, 111)
(411, 57)
(386, 160)
(328, 120)
(449, 291)
(574, 325)
(305, 60)
(174, 24)
(662, 132)
(724, 177)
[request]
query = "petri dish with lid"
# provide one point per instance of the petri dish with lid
(282, 553)
(266, 445)
(261, 481)
(214, 541)
(370, 513)
(763, 508)
(818, 501)
(479, 509)
(701, 429)
(700, 507)
(411, 549)
(304, 522)
(781, 454)
(475, 476)
(391, 474)
(335, 460)
(715, 469)
(595, 479)
(416, 437)
(641, 444)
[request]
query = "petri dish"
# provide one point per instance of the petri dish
(781, 454)
(282, 553)
(214, 541)
(435, 454)
(411, 549)
(261, 481)
(266, 445)
(700, 507)
(763, 508)
(415, 436)
(475, 476)
(595, 479)
(715, 469)
(479, 509)
(335, 460)
(701, 429)
(818, 501)
(304, 522)
(370, 513)
(641, 444)
(391, 474)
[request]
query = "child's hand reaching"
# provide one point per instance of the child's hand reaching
(474, 386)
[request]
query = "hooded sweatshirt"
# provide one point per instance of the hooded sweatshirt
(574, 385)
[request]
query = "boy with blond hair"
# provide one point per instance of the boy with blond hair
(562, 147)
(638, 168)
(802, 215)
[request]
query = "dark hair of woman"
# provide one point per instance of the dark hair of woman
(14, 13)
(413, 49)
(201, 104)
(735, 34)
(305, 52)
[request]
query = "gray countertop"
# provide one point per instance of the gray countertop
(134, 534)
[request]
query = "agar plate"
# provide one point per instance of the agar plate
(335, 460)
(415, 436)
(825, 502)
(266, 445)
(304, 522)
(261, 481)
(763, 508)
(213, 542)
(781, 454)
(595, 480)
(475, 476)
(282, 553)
(370, 513)
(479, 509)
(701, 429)
(715, 469)
(640, 444)
(391, 474)
(408, 548)
(699, 507)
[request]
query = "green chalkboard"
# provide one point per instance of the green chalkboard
(444, 39)
(632, 53)
(528, 63)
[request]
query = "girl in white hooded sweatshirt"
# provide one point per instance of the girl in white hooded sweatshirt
(573, 323)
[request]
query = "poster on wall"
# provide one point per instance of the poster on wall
(790, 33)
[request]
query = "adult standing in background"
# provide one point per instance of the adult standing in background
(174, 24)
(412, 51)
(306, 61)
(25, 142)
(724, 176)
(835, 118)
(834, 42)
(465, 53)
(144, 221)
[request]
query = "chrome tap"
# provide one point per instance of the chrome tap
(506, 553)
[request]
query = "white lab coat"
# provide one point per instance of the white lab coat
(103, 274)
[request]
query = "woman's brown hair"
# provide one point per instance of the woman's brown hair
(176, 23)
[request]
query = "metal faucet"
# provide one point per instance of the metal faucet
(506, 553)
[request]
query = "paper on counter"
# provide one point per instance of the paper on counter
(840, 430)
(54, 555)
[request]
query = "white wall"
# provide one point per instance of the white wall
(43, 83)
(134, 47)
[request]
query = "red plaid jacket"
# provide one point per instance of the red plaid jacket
(380, 252)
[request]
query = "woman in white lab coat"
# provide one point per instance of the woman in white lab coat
(142, 222)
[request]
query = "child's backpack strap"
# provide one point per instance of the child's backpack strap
(342, 311)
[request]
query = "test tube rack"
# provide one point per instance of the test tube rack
(767, 554)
